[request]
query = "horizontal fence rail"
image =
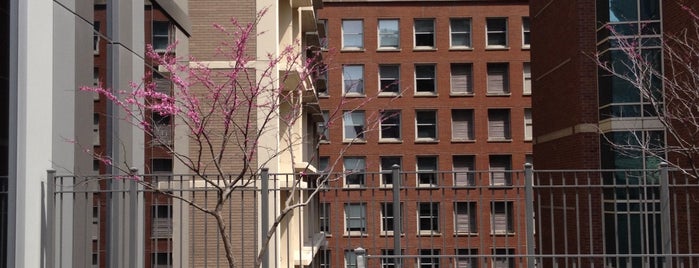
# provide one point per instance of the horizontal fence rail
(502, 218)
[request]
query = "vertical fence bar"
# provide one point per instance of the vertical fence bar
(397, 220)
(665, 215)
(50, 217)
(529, 211)
(264, 209)
(133, 218)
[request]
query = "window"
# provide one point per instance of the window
(527, 74)
(499, 170)
(425, 79)
(498, 82)
(501, 218)
(424, 33)
(463, 260)
(463, 166)
(355, 218)
(465, 217)
(426, 124)
(354, 171)
(526, 33)
(496, 29)
(322, 127)
(387, 163)
(322, 82)
(350, 259)
(428, 218)
(325, 217)
(427, 171)
(387, 218)
(353, 125)
(323, 163)
(325, 258)
(529, 158)
(388, 262)
(390, 125)
(501, 258)
(352, 34)
(461, 79)
(95, 129)
(161, 165)
(161, 259)
(161, 225)
(427, 260)
(353, 79)
(462, 125)
(527, 124)
(460, 32)
(389, 34)
(96, 37)
(324, 31)
(389, 79)
(499, 124)
(161, 35)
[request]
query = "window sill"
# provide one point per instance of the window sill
(389, 233)
(463, 141)
(424, 140)
(457, 94)
(324, 142)
(353, 187)
(464, 186)
(466, 234)
(426, 186)
(354, 141)
(428, 233)
(354, 95)
(498, 94)
(527, 94)
(323, 96)
(499, 140)
(496, 48)
(461, 49)
(352, 50)
(390, 141)
(388, 49)
(423, 94)
(526, 47)
(500, 186)
(528, 140)
(421, 49)
(502, 233)
(355, 234)
(388, 94)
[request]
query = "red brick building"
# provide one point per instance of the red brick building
(435, 87)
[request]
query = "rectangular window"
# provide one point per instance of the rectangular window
(353, 125)
(161, 226)
(387, 163)
(527, 74)
(464, 259)
(501, 218)
(355, 218)
(95, 129)
(526, 33)
(460, 32)
(428, 258)
(353, 79)
(322, 127)
(323, 163)
(161, 35)
(388, 262)
(496, 29)
(463, 167)
(96, 37)
(389, 79)
(426, 124)
(387, 218)
(500, 165)
(390, 125)
(325, 258)
(389, 34)
(161, 165)
(498, 79)
(499, 125)
(352, 34)
(161, 260)
(501, 258)
(325, 217)
(354, 171)
(323, 31)
(322, 82)
(528, 124)
(462, 125)
(425, 79)
(350, 259)
(427, 171)
(428, 217)
(424, 33)
(461, 78)
(465, 217)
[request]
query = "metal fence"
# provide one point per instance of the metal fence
(524, 218)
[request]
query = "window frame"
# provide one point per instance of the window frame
(453, 79)
(495, 69)
(347, 90)
(324, 211)
(426, 176)
(468, 33)
(494, 115)
(500, 165)
(395, 82)
(322, 127)
(526, 78)
(506, 253)
(362, 218)
(526, 32)
(432, 218)
(528, 125)
(325, 260)
(358, 136)
(383, 210)
(380, 35)
(489, 31)
(433, 125)
(394, 114)
(159, 35)
(350, 259)
(469, 169)
(469, 115)
(507, 210)
(388, 173)
(96, 36)
(346, 34)
(434, 262)
(471, 209)
(463, 255)
(416, 33)
(419, 76)
(350, 174)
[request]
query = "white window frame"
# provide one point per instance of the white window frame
(415, 34)
(387, 115)
(454, 78)
(493, 116)
(388, 171)
(384, 218)
(348, 116)
(526, 31)
(463, 255)
(527, 78)
(362, 218)
(500, 165)
(528, 125)
(424, 77)
(468, 33)
(350, 259)
(496, 69)
(456, 126)
(471, 211)
(322, 127)
(466, 172)
(388, 262)
(425, 124)
(433, 261)
(346, 33)
(167, 36)
(324, 217)
(430, 217)
(359, 172)
(324, 41)
(427, 171)
(394, 81)
(96, 36)
(381, 35)
(346, 69)
(504, 261)
(325, 258)
(489, 31)
(502, 209)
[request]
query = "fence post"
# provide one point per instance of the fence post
(133, 217)
(665, 219)
(50, 217)
(397, 219)
(529, 212)
(361, 257)
(264, 209)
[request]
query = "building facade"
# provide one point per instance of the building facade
(435, 87)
